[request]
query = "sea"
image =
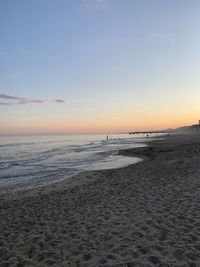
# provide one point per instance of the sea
(38, 160)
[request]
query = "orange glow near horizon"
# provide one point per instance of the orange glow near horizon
(100, 125)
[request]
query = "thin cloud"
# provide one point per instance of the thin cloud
(5, 104)
(59, 101)
(8, 97)
(22, 100)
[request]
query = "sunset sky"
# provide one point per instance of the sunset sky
(98, 66)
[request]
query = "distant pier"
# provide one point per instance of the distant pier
(151, 132)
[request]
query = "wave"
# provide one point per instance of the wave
(35, 162)
(31, 143)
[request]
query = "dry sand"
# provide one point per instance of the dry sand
(146, 214)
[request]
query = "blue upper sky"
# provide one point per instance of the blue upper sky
(106, 58)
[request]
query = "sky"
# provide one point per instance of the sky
(98, 66)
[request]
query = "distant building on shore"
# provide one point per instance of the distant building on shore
(195, 128)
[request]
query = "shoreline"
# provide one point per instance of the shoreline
(23, 188)
(146, 213)
(15, 185)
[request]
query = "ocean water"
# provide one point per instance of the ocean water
(31, 161)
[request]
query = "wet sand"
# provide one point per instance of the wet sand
(147, 214)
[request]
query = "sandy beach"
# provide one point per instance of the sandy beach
(147, 214)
